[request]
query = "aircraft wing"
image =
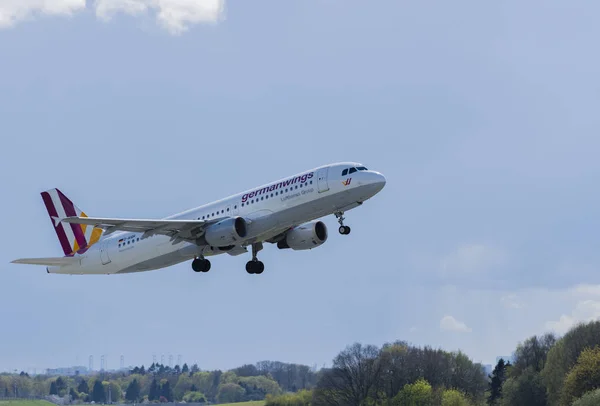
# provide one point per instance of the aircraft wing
(61, 261)
(177, 229)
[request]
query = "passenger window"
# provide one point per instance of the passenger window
(345, 172)
(352, 170)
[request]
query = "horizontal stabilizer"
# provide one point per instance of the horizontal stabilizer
(61, 261)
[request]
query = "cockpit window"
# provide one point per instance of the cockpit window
(362, 168)
(352, 170)
(345, 172)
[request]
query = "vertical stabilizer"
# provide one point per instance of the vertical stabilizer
(73, 238)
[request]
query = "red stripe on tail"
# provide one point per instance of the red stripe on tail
(58, 228)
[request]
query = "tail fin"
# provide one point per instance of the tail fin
(73, 238)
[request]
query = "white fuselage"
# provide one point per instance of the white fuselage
(269, 210)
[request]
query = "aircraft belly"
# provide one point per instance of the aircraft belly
(161, 261)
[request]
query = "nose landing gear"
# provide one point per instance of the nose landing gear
(344, 230)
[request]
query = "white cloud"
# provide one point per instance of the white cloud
(586, 290)
(174, 15)
(510, 301)
(412, 329)
(15, 11)
(449, 323)
(585, 311)
(472, 258)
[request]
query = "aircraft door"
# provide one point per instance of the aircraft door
(104, 253)
(322, 183)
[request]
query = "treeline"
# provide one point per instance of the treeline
(395, 374)
(160, 383)
(547, 371)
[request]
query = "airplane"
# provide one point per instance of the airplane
(284, 212)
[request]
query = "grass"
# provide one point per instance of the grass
(25, 403)
(44, 403)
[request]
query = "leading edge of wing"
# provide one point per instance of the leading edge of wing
(109, 222)
(167, 227)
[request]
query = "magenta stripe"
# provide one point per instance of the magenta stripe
(60, 233)
(70, 211)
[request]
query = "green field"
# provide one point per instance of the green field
(44, 403)
(25, 403)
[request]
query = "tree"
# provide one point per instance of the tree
(53, 388)
(584, 376)
(185, 369)
(154, 392)
(183, 385)
(98, 395)
(194, 397)
(496, 381)
(301, 398)
(589, 399)
(61, 386)
(355, 376)
(83, 387)
(419, 393)
(527, 389)
(166, 391)
(194, 369)
(563, 355)
(452, 397)
(230, 393)
(74, 395)
(246, 370)
(532, 353)
(133, 391)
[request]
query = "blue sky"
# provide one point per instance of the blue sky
(482, 115)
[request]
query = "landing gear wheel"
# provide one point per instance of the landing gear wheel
(255, 267)
(201, 265)
(344, 230)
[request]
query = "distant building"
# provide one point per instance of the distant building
(68, 371)
(488, 369)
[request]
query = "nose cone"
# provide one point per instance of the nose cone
(378, 180)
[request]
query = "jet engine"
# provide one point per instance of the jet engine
(304, 237)
(226, 232)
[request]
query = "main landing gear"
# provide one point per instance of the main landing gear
(255, 266)
(344, 230)
(201, 265)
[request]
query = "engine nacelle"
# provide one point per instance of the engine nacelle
(305, 237)
(226, 232)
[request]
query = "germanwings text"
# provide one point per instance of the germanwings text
(277, 186)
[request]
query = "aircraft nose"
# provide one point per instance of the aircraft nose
(378, 179)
